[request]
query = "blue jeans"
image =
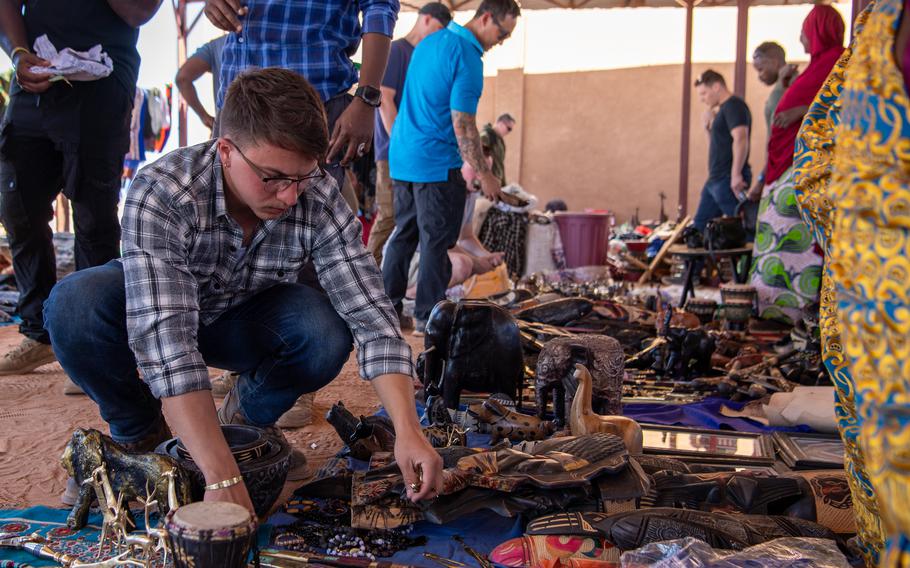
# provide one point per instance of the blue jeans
(285, 341)
(717, 199)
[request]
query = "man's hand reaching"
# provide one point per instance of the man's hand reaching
(225, 14)
(420, 465)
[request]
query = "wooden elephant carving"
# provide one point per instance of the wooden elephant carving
(472, 345)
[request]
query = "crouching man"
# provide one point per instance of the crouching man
(213, 238)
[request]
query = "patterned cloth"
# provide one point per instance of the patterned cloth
(184, 263)
(533, 550)
(864, 168)
(508, 233)
(315, 38)
(786, 271)
(812, 166)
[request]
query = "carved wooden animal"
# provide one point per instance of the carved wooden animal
(582, 419)
(367, 435)
(508, 424)
(558, 312)
(472, 345)
(601, 354)
(363, 436)
(130, 474)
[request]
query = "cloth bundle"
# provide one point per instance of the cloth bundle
(507, 233)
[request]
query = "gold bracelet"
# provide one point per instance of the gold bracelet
(224, 484)
(16, 50)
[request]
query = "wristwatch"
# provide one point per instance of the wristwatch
(370, 95)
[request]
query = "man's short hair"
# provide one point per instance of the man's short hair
(771, 50)
(506, 118)
(499, 9)
(438, 10)
(277, 107)
(710, 77)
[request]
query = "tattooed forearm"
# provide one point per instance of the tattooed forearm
(469, 140)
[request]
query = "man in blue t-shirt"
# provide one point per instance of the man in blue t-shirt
(431, 18)
(434, 134)
(728, 123)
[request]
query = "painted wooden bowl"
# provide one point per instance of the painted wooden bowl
(264, 476)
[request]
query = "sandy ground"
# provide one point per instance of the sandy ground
(37, 419)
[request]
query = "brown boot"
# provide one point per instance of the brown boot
(229, 413)
(148, 443)
(26, 357)
(224, 383)
(300, 415)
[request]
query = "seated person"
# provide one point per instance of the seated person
(213, 238)
(468, 256)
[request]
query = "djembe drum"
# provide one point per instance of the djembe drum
(210, 535)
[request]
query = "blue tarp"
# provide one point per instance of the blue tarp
(704, 414)
(483, 531)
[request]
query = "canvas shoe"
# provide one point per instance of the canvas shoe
(71, 388)
(26, 357)
(300, 415)
(224, 383)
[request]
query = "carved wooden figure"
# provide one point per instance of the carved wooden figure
(508, 424)
(129, 474)
(601, 354)
(472, 345)
(582, 419)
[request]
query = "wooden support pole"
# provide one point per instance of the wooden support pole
(686, 114)
(742, 35)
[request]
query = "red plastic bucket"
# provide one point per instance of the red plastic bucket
(585, 237)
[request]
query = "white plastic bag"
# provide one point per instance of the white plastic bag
(73, 65)
(777, 553)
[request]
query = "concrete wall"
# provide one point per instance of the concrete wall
(609, 139)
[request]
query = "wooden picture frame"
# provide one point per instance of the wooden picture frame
(802, 451)
(708, 446)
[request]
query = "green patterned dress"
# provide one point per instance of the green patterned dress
(786, 271)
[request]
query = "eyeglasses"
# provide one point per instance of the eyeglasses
(275, 184)
(503, 33)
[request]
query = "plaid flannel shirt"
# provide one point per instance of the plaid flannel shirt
(184, 267)
(315, 38)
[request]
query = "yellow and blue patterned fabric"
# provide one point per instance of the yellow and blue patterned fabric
(812, 171)
(853, 168)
